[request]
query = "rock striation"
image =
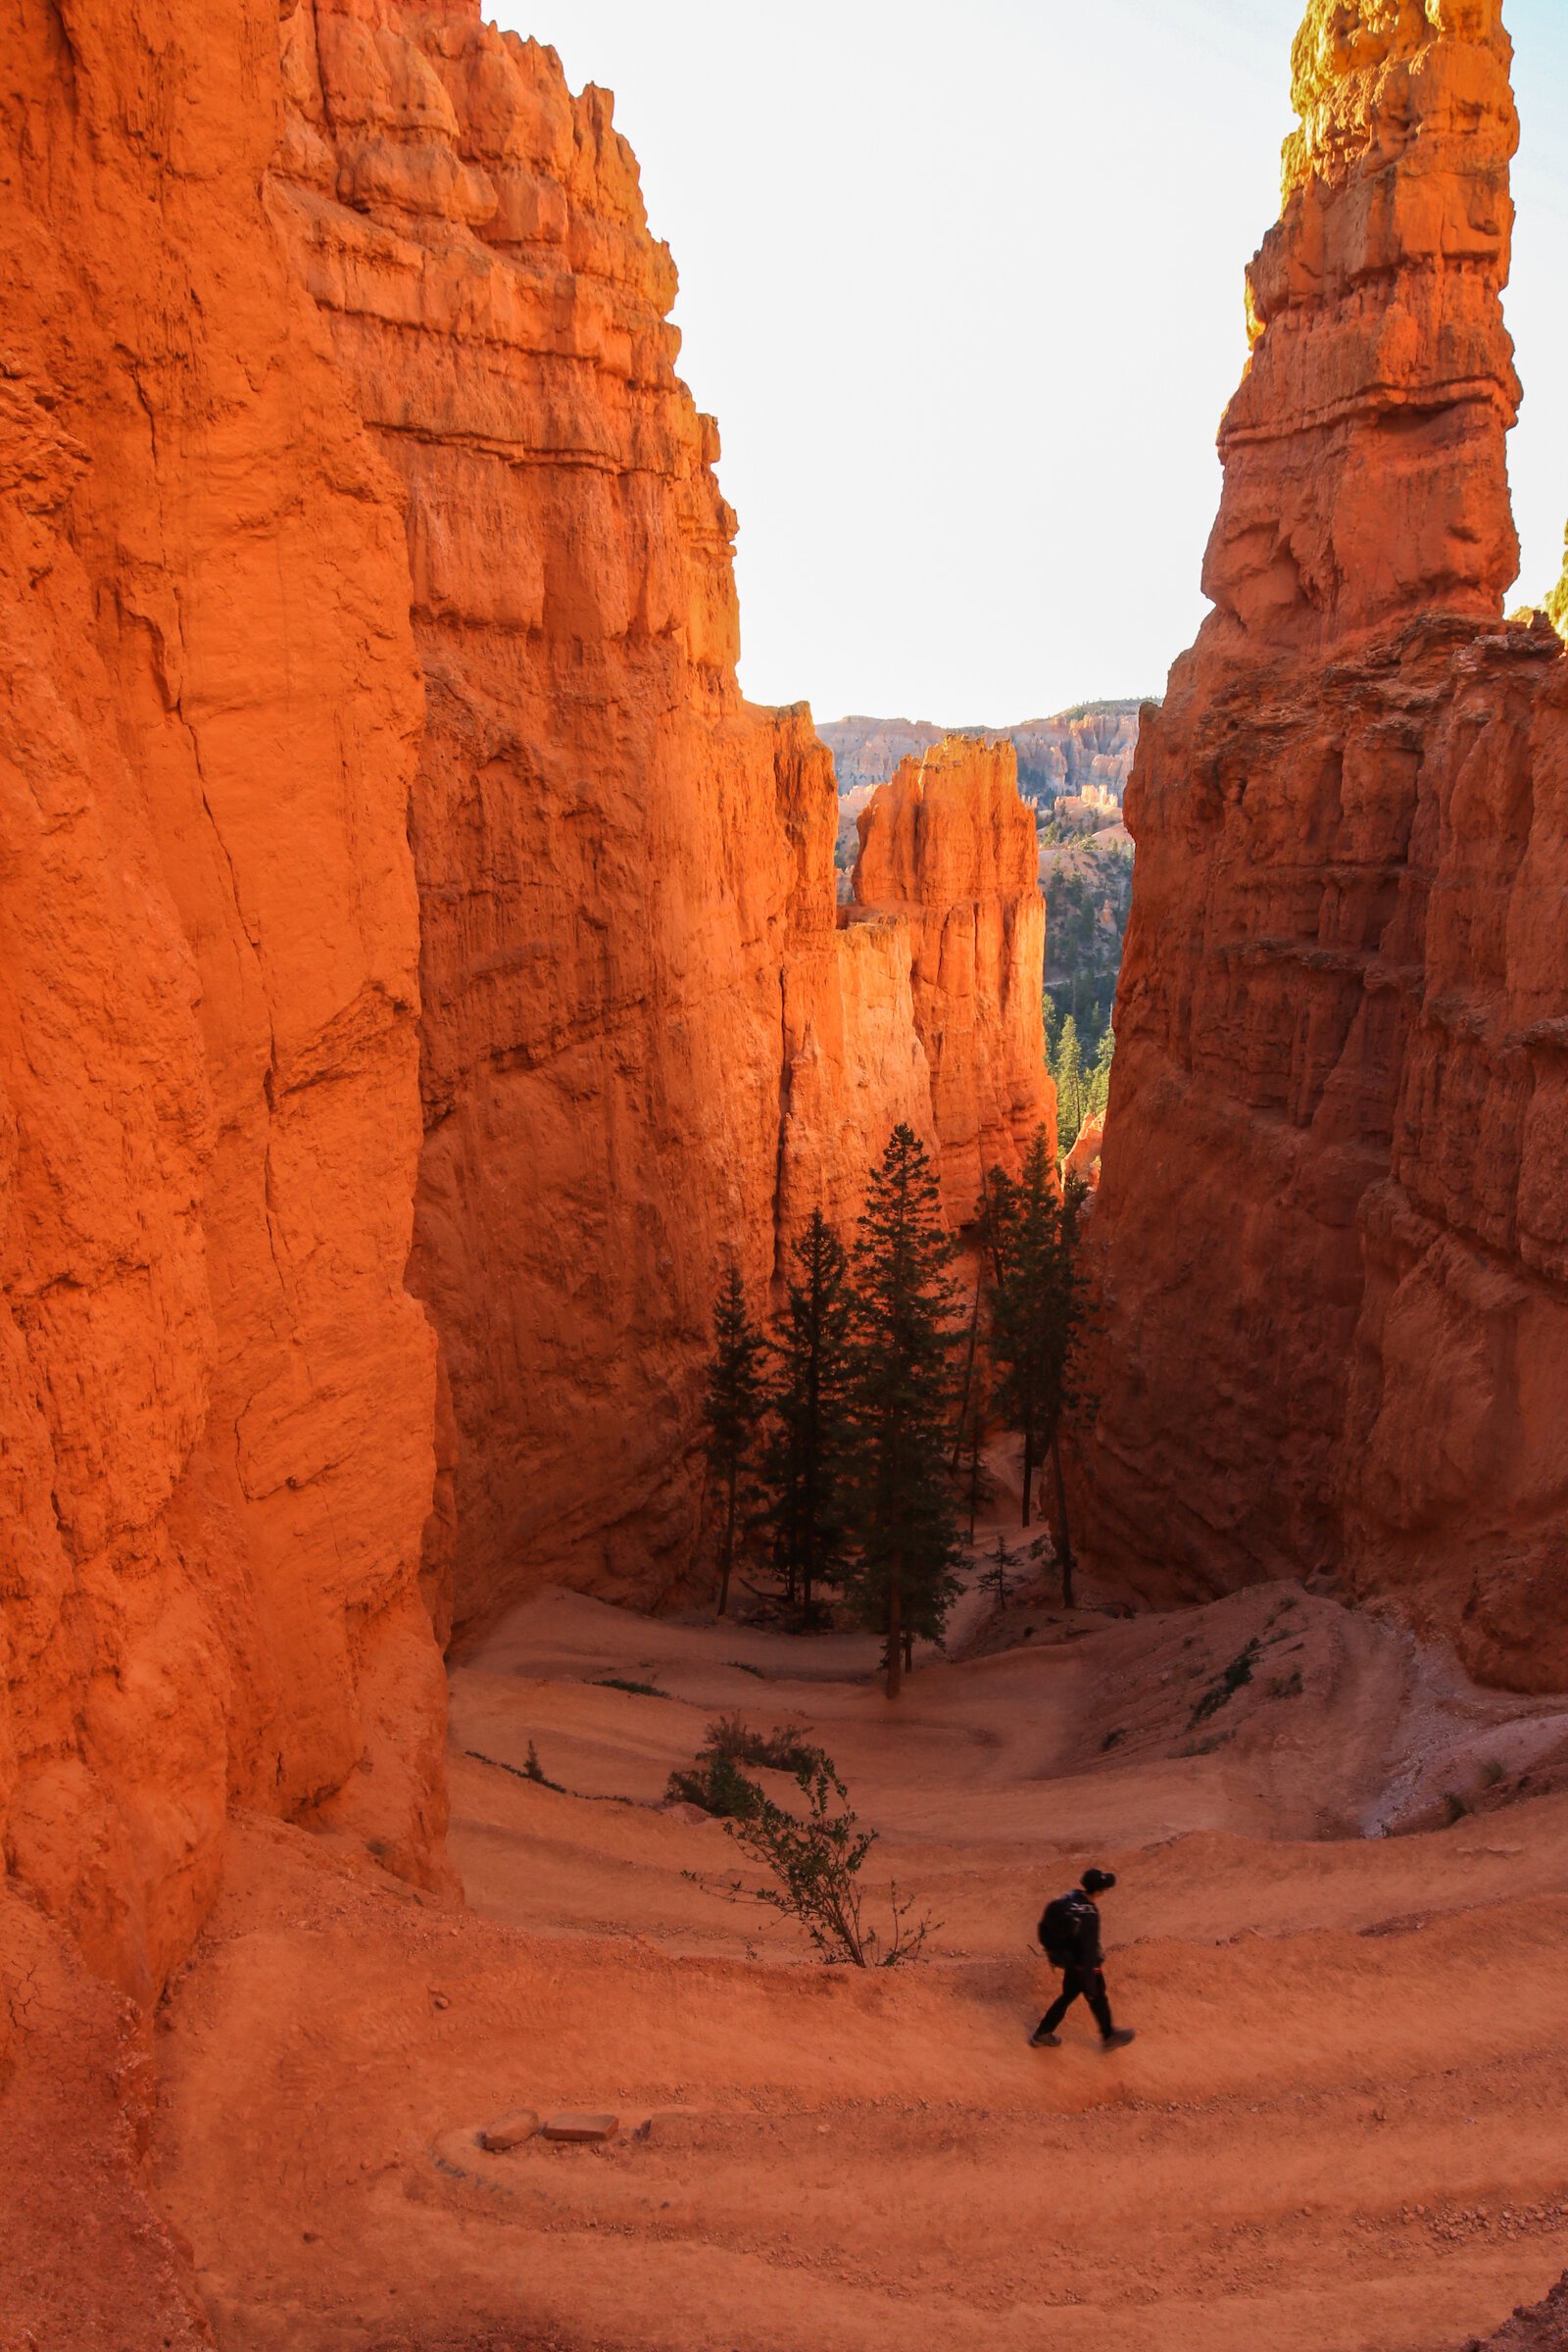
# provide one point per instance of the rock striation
(1333, 1247)
(420, 969)
(647, 1044)
(215, 1393)
(949, 851)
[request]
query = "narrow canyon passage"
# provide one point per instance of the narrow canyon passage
(1341, 2124)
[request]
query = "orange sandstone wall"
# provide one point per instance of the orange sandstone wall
(1330, 1222)
(616, 854)
(216, 1394)
(647, 1046)
(950, 849)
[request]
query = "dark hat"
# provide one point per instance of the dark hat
(1095, 1881)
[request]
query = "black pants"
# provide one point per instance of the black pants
(1090, 1982)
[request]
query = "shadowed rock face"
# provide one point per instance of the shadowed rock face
(1333, 1254)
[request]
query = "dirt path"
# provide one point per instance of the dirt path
(1340, 2130)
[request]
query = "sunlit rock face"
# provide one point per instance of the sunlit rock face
(1333, 1246)
(648, 1047)
(420, 969)
(216, 1394)
(950, 850)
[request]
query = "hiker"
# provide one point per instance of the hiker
(1069, 1933)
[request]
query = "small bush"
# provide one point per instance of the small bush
(1287, 1686)
(1111, 1739)
(614, 1682)
(783, 1750)
(1220, 1693)
(815, 1864)
(1457, 1808)
(533, 1770)
(716, 1784)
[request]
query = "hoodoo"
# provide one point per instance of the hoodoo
(1335, 1255)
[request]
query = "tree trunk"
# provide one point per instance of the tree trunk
(968, 1379)
(729, 1550)
(895, 1633)
(1028, 1475)
(1065, 1534)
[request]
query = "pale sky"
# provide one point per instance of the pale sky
(962, 284)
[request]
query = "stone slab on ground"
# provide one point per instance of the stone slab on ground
(582, 2129)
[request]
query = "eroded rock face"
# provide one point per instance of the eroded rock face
(1330, 1217)
(215, 1393)
(647, 1044)
(616, 856)
(949, 849)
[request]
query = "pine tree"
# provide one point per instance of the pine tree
(733, 1408)
(902, 1398)
(1069, 1320)
(1039, 1314)
(1100, 1076)
(1024, 1231)
(976, 1485)
(1070, 1090)
(805, 1464)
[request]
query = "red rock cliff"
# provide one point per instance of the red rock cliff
(1333, 1244)
(949, 849)
(646, 1045)
(216, 1394)
(347, 507)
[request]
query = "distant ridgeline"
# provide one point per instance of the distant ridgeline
(1077, 753)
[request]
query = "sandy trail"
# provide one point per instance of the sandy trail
(1340, 2130)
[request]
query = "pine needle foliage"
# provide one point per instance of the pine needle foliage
(806, 1459)
(733, 1408)
(902, 1398)
(1040, 1310)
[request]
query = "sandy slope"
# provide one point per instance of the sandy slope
(1340, 2130)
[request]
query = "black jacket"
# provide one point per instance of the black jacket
(1088, 1951)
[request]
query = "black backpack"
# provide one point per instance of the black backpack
(1061, 1928)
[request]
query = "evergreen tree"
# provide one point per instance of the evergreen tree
(1024, 1229)
(1100, 1075)
(902, 1396)
(804, 1461)
(733, 1408)
(1068, 1316)
(1039, 1314)
(976, 1485)
(1071, 1091)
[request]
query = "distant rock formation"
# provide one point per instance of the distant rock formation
(1332, 1216)
(1090, 748)
(949, 849)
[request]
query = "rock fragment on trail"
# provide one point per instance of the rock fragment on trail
(508, 2132)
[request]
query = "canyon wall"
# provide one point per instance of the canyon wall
(1330, 1226)
(420, 969)
(216, 1394)
(647, 1046)
(949, 851)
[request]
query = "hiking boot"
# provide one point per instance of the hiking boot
(1119, 2040)
(1040, 2040)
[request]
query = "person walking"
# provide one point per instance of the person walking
(1070, 1936)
